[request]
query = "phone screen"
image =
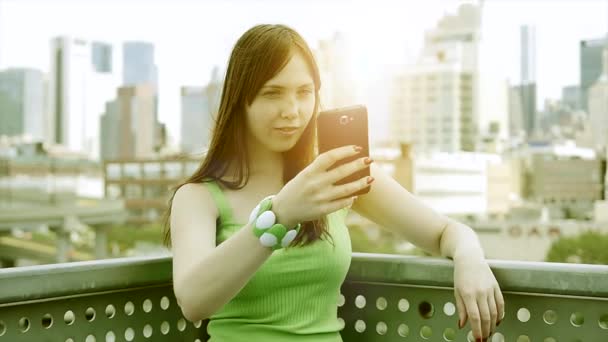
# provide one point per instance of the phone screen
(345, 126)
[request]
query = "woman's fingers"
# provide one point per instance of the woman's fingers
(500, 304)
(485, 317)
(462, 311)
(470, 303)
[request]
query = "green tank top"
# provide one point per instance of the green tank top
(293, 296)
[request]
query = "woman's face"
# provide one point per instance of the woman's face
(283, 107)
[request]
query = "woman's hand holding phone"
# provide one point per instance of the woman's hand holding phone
(314, 192)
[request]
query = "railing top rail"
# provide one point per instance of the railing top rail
(55, 280)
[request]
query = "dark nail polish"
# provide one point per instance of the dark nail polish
(370, 180)
(368, 160)
(358, 148)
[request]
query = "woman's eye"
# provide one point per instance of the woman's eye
(305, 91)
(272, 93)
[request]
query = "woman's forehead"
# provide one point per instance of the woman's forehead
(296, 73)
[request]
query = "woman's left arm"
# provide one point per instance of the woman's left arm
(478, 296)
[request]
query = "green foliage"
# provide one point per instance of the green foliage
(125, 236)
(587, 248)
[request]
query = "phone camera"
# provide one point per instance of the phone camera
(344, 120)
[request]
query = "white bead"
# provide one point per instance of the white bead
(266, 220)
(268, 240)
(288, 238)
(254, 214)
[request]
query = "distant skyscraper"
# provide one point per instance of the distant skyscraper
(434, 104)
(22, 103)
(83, 77)
(527, 86)
(334, 60)
(590, 65)
(598, 106)
(128, 126)
(199, 108)
(571, 96)
(138, 64)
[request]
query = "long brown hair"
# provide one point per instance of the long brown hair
(258, 55)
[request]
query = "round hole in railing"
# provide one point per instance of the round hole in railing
(341, 323)
(147, 331)
(341, 300)
(523, 338)
(550, 317)
(2, 328)
(359, 326)
(381, 328)
(165, 327)
(549, 339)
(360, 301)
(449, 309)
(470, 337)
(198, 324)
(69, 317)
(47, 321)
(523, 315)
(426, 332)
(129, 308)
(24, 324)
(577, 319)
(603, 322)
(381, 303)
(89, 314)
(426, 310)
(129, 334)
(164, 303)
(197, 340)
(110, 337)
(403, 305)
(90, 338)
(147, 306)
(403, 330)
(497, 337)
(110, 311)
(69, 340)
(181, 324)
(449, 334)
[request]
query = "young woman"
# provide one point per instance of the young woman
(270, 269)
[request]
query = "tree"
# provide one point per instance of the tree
(589, 247)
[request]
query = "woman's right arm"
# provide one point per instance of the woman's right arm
(206, 277)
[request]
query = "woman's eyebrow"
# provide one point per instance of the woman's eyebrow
(276, 86)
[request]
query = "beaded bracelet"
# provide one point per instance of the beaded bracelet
(270, 233)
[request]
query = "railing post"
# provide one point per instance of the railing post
(101, 242)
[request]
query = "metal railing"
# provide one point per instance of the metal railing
(384, 298)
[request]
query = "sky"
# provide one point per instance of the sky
(193, 36)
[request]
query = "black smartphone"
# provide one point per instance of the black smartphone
(345, 126)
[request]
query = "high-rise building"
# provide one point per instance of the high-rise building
(571, 96)
(590, 65)
(139, 66)
(128, 126)
(84, 75)
(527, 85)
(333, 57)
(598, 106)
(22, 103)
(434, 104)
(199, 108)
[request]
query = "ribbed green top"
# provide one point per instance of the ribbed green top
(293, 296)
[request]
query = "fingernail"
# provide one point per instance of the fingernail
(459, 324)
(368, 160)
(370, 180)
(358, 148)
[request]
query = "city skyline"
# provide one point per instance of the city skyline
(372, 58)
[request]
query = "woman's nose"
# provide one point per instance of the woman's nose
(290, 108)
